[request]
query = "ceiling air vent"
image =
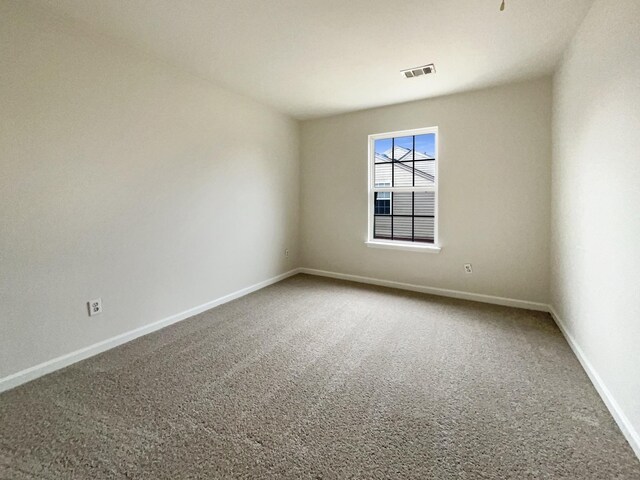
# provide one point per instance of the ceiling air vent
(417, 71)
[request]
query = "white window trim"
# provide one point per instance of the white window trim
(400, 245)
(371, 188)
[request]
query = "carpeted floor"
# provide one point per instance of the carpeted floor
(317, 378)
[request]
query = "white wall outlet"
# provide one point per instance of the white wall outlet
(286, 252)
(467, 268)
(95, 306)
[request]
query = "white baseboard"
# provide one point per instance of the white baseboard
(618, 415)
(478, 297)
(49, 366)
(52, 365)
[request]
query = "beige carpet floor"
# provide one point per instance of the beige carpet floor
(317, 378)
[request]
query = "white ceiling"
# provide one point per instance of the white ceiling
(310, 58)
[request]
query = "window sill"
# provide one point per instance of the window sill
(411, 247)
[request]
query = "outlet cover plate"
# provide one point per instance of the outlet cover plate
(95, 306)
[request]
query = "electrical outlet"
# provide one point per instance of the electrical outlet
(95, 306)
(286, 252)
(467, 268)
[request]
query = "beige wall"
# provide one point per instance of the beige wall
(123, 178)
(495, 150)
(596, 197)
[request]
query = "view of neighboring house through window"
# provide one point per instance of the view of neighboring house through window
(383, 202)
(403, 186)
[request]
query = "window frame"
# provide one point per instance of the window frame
(371, 189)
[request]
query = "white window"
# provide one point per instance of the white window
(403, 189)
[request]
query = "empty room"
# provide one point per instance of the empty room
(319, 239)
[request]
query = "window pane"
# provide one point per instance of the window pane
(383, 149)
(382, 203)
(425, 173)
(424, 229)
(382, 227)
(426, 146)
(402, 174)
(425, 203)
(403, 149)
(402, 203)
(382, 175)
(402, 228)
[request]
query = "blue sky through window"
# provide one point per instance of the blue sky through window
(424, 143)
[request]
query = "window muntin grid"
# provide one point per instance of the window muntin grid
(403, 195)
